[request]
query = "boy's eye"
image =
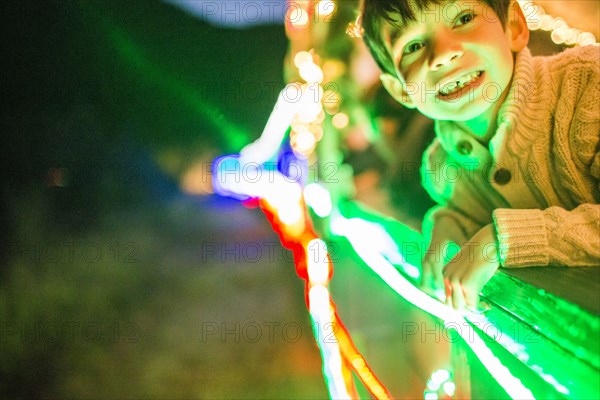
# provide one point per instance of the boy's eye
(413, 47)
(465, 18)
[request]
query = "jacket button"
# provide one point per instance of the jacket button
(464, 147)
(502, 176)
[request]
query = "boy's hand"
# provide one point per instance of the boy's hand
(473, 266)
(441, 250)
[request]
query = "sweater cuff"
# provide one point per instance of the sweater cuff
(522, 240)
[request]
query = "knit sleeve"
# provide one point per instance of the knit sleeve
(557, 236)
(554, 237)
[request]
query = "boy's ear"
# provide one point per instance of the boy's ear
(517, 28)
(396, 89)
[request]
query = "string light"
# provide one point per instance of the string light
(318, 263)
(325, 8)
(306, 125)
(305, 142)
(449, 388)
(319, 199)
(560, 31)
(284, 199)
(355, 29)
(440, 379)
(301, 58)
(299, 18)
(340, 120)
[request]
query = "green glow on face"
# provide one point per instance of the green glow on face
(151, 72)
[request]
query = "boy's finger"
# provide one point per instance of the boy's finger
(429, 272)
(458, 297)
(429, 286)
(480, 308)
(425, 272)
(426, 278)
(471, 298)
(438, 281)
(448, 290)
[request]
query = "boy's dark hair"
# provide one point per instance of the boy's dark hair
(375, 13)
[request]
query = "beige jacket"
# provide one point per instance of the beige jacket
(538, 179)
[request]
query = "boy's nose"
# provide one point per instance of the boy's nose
(445, 58)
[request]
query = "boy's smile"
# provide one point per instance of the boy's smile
(456, 85)
(455, 62)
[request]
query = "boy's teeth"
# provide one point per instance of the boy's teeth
(459, 83)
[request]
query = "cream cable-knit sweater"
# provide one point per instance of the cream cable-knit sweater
(538, 179)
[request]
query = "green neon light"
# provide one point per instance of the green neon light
(153, 73)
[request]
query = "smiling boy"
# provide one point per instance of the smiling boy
(515, 166)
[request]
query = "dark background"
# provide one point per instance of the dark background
(113, 280)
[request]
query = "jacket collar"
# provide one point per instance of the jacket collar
(521, 97)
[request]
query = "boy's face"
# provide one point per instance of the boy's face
(455, 61)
